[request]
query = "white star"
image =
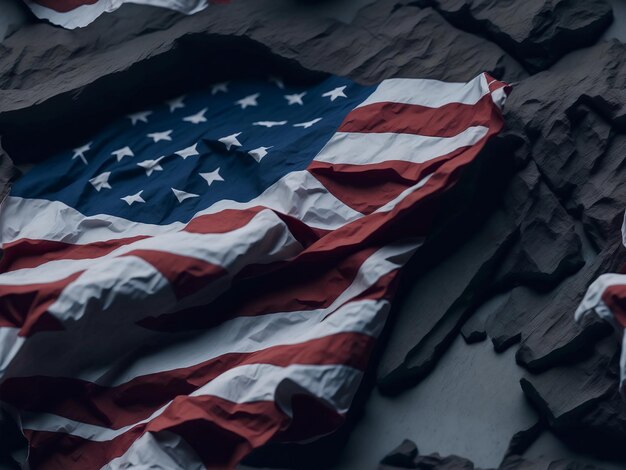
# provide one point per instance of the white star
(196, 118)
(133, 198)
(259, 153)
(277, 81)
(223, 87)
(296, 98)
(157, 136)
(123, 152)
(188, 152)
(307, 124)
(212, 176)
(140, 116)
(182, 195)
(80, 152)
(176, 103)
(151, 165)
(249, 100)
(231, 140)
(336, 93)
(101, 181)
(269, 123)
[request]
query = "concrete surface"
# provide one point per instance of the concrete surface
(471, 405)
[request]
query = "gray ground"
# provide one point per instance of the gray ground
(470, 405)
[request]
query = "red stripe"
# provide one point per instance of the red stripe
(123, 405)
(223, 221)
(26, 307)
(411, 217)
(222, 433)
(229, 431)
(289, 289)
(615, 298)
(366, 188)
(448, 120)
(497, 84)
(185, 274)
(27, 253)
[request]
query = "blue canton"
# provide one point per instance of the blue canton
(231, 141)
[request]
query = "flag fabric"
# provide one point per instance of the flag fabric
(210, 274)
(73, 14)
(606, 298)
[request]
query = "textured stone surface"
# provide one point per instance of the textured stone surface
(435, 462)
(538, 37)
(402, 456)
(581, 404)
(536, 220)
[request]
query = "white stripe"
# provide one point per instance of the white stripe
(131, 284)
(365, 148)
(165, 449)
(430, 93)
(265, 238)
(250, 334)
(592, 301)
(178, 350)
(41, 219)
(388, 207)
(10, 344)
(334, 384)
(83, 15)
(298, 194)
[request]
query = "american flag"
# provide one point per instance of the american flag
(73, 14)
(210, 274)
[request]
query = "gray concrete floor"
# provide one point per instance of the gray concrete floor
(471, 405)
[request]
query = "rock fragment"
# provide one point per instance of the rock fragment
(538, 34)
(402, 456)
